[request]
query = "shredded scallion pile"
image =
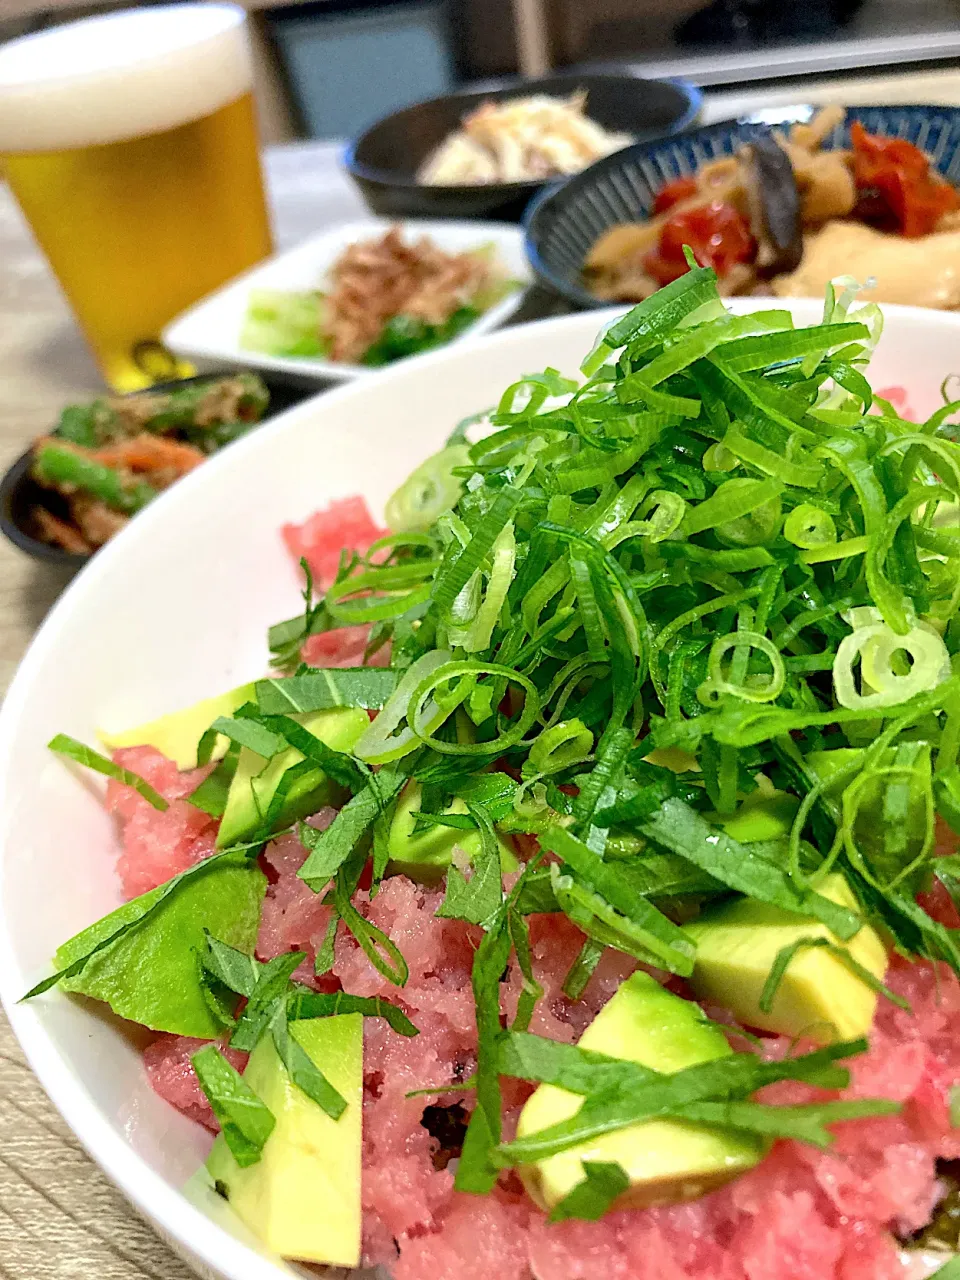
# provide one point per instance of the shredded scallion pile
(717, 553)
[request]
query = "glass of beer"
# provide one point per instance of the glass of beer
(130, 142)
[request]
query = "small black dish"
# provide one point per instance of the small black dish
(384, 160)
(20, 494)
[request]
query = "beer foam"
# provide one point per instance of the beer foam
(121, 75)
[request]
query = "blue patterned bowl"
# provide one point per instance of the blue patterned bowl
(567, 220)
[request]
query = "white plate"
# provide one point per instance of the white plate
(176, 608)
(209, 333)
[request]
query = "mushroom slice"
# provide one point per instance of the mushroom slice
(773, 204)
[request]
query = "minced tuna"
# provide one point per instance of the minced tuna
(803, 1213)
(345, 525)
(158, 846)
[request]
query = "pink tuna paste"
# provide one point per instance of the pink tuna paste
(802, 1214)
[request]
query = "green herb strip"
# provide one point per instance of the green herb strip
(242, 973)
(335, 764)
(245, 1121)
(786, 954)
(478, 899)
(320, 690)
(581, 971)
(301, 1068)
(251, 734)
(211, 795)
(603, 1182)
(660, 936)
(267, 995)
(306, 1003)
(385, 956)
(619, 1094)
(682, 830)
(330, 849)
(90, 759)
(477, 1172)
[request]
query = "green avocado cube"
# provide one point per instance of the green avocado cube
(256, 780)
(665, 1160)
(178, 734)
(426, 856)
(761, 816)
(302, 1198)
(819, 995)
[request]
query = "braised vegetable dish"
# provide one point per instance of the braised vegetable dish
(106, 460)
(787, 214)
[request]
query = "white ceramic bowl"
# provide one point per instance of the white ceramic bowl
(209, 333)
(176, 608)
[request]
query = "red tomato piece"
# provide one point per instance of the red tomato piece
(897, 190)
(672, 193)
(718, 234)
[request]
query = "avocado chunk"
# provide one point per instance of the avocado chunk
(302, 1198)
(819, 995)
(665, 1160)
(256, 780)
(675, 759)
(763, 815)
(178, 734)
(831, 767)
(426, 856)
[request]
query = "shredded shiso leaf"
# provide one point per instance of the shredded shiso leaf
(82, 754)
(712, 551)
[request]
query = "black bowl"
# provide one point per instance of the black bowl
(566, 220)
(20, 493)
(384, 161)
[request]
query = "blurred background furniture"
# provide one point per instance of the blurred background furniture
(328, 68)
(347, 68)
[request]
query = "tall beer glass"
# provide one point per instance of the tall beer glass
(130, 142)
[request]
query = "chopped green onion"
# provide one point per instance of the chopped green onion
(751, 688)
(559, 747)
(429, 491)
(808, 526)
(386, 740)
(426, 713)
(876, 644)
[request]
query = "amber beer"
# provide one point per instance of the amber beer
(130, 142)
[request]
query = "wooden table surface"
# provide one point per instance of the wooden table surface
(60, 1219)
